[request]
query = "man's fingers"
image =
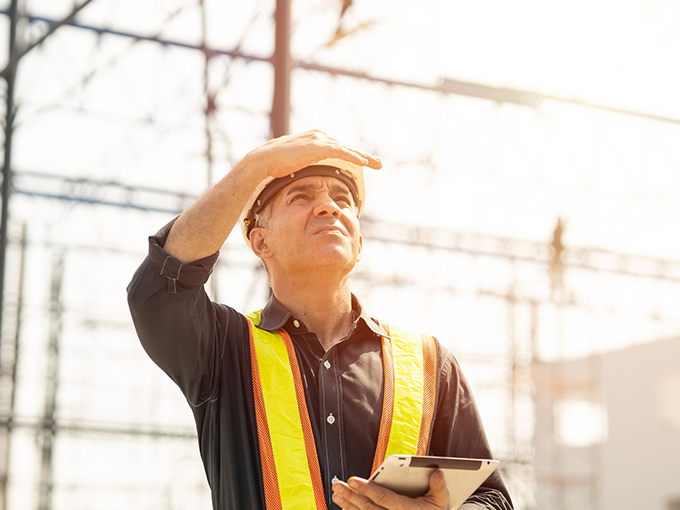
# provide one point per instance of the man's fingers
(362, 158)
(372, 161)
(360, 494)
(290, 153)
(349, 499)
(438, 494)
(382, 497)
(330, 148)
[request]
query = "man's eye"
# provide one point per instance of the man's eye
(300, 196)
(343, 200)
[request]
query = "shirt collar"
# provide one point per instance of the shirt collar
(275, 316)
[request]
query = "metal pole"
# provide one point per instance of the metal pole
(49, 424)
(15, 57)
(209, 111)
(8, 418)
(282, 70)
(6, 169)
(283, 65)
(9, 74)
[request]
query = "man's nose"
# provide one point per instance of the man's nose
(326, 206)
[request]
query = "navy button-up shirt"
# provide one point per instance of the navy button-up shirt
(204, 347)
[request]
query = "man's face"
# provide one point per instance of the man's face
(313, 224)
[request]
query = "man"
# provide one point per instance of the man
(295, 405)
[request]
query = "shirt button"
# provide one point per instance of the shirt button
(327, 364)
(330, 419)
(335, 479)
(296, 323)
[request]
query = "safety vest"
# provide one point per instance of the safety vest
(290, 465)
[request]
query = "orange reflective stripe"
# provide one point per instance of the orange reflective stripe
(290, 466)
(410, 367)
(430, 392)
(388, 404)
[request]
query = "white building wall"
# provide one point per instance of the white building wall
(608, 430)
(641, 458)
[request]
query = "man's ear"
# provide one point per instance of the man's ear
(361, 247)
(258, 243)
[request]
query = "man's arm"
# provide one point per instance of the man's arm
(202, 229)
(174, 318)
(177, 324)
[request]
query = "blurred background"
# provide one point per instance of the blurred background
(527, 215)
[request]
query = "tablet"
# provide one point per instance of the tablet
(410, 475)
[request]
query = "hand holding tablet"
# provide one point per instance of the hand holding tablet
(409, 475)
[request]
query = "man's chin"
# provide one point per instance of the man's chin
(330, 258)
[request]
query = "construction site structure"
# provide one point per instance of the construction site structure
(85, 417)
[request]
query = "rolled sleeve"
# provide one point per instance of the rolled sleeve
(174, 318)
(180, 277)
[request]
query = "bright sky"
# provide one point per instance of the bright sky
(107, 109)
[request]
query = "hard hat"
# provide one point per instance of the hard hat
(349, 173)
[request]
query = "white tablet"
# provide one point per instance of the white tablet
(410, 475)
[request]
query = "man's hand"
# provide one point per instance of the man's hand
(360, 494)
(287, 154)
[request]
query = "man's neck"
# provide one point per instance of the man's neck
(324, 306)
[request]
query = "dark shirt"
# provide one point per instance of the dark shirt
(204, 347)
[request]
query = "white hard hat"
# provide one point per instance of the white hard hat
(350, 173)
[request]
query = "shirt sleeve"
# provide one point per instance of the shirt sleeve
(458, 432)
(177, 324)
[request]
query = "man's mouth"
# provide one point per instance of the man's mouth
(328, 229)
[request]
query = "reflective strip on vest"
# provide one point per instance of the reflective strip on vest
(290, 465)
(410, 393)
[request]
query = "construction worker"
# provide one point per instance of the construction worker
(297, 403)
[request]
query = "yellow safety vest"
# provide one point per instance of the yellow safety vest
(290, 465)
